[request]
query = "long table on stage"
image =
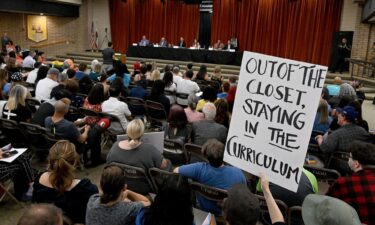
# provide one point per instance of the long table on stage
(184, 54)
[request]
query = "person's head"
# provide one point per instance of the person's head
(337, 80)
(62, 107)
(192, 101)
(209, 94)
(323, 111)
(71, 73)
(228, 42)
(325, 94)
(72, 86)
(189, 74)
(42, 73)
(32, 53)
(348, 114)
(62, 160)
(217, 69)
(103, 78)
(62, 78)
(177, 117)
(232, 79)
(53, 73)
(347, 90)
(112, 183)
(358, 107)
(213, 150)
(135, 131)
(155, 75)
(241, 207)
(189, 66)
(176, 69)
(5, 34)
(42, 214)
(226, 86)
(17, 96)
(162, 38)
(209, 111)
(324, 210)
(149, 67)
(181, 39)
(221, 111)
(201, 75)
(85, 85)
(167, 68)
(343, 40)
(143, 69)
(158, 88)
(172, 204)
(121, 69)
(16, 77)
(114, 91)
(110, 44)
(361, 154)
(82, 67)
(168, 78)
(96, 94)
(143, 37)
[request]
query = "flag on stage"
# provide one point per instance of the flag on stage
(94, 37)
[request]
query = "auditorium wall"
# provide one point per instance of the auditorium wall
(100, 16)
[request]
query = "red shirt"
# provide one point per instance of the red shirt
(96, 108)
(358, 191)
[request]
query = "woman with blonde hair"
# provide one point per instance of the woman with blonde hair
(322, 118)
(134, 152)
(58, 185)
(16, 108)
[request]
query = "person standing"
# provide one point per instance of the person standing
(343, 51)
(5, 41)
(108, 57)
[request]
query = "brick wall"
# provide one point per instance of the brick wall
(58, 29)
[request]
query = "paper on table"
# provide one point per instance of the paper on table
(20, 151)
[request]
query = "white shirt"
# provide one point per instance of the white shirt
(44, 88)
(117, 108)
(177, 79)
(187, 87)
(172, 98)
(28, 62)
(31, 77)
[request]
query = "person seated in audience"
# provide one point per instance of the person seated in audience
(62, 79)
(82, 67)
(140, 90)
(172, 204)
(361, 96)
(170, 86)
(195, 44)
(208, 128)
(16, 108)
(41, 74)
(163, 42)
(223, 116)
(4, 85)
(181, 43)
(177, 75)
(115, 205)
(42, 214)
(94, 102)
(167, 68)
(119, 82)
(73, 87)
(41, 57)
(322, 117)
(358, 189)
(47, 108)
(117, 108)
(157, 95)
(29, 61)
(96, 69)
(191, 114)
(155, 75)
(214, 173)
(346, 90)
(324, 210)
(85, 85)
(177, 127)
(149, 67)
(228, 46)
(189, 66)
(15, 79)
(217, 75)
(136, 69)
(45, 86)
(58, 185)
(11, 66)
(334, 89)
(202, 75)
(71, 74)
(224, 90)
(344, 101)
(187, 86)
(209, 95)
(133, 152)
(144, 41)
(359, 121)
(121, 70)
(31, 76)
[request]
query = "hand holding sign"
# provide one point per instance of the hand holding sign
(274, 110)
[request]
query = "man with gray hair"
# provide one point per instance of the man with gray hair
(62, 80)
(45, 86)
(214, 173)
(208, 128)
(29, 61)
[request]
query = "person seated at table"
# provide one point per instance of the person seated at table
(133, 152)
(144, 41)
(228, 46)
(58, 185)
(115, 205)
(42, 214)
(218, 45)
(181, 43)
(356, 189)
(195, 44)
(172, 204)
(163, 42)
(214, 173)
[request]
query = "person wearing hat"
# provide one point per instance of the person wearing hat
(15, 78)
(358, 190)
(325, 210)
(45, 86)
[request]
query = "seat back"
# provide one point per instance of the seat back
(323, 174)
(174, 151)
(338, 156)
(155, 111)
(193, 153)
(295, 215)
(12, 133)
(264, 209)
(88, 112)
(34, 138)
(211, 193)
(158, 176)
(183, 96)
(136, 106)
(137, 179)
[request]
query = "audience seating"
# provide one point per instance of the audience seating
(12, 133)
(264, 209)
(174, 151)
(193, 153)
(211, 193)
(166, 92)
(155, 108)
(136, 106)
(88, 112)
(295, 215)
(338, 156)
(323, 175)
(137, 179)
(35, 139)
(158, 176)
(32, 103)
(6, 185)
(183, 96)
(84, 96)
(108, 134)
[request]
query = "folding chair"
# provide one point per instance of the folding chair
(174, 151)
(193, 153)
(35, 140)
(156, 114)
(6, 184)
(338, 160)
(264, 209)
(324, 175)
(158, 176)
(110, 134)
(32, 103)
(12, 133)
(137, 179)
(182, 96)
(295, 215)
(88, 112)
(136, 106)
(84, 96)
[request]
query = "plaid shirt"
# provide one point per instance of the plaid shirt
(358, 191)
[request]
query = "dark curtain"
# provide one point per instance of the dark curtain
(299, 30)
(131, 19)
(205, 30)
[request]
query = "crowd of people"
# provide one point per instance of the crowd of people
(202, 118)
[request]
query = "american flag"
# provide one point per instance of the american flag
(94, 37)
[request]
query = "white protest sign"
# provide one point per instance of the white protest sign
(273, 115)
